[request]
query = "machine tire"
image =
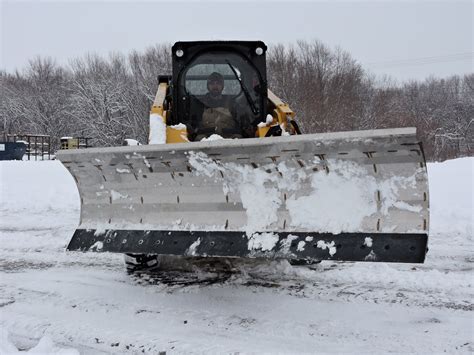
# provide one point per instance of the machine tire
(140, 262)
(136, 263)
(303, 262)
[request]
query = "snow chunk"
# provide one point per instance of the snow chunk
(368, 242)
(301, 245)
(146, 162)
(100, 230)
(286, 243)
(213, 137)
(117, 195)
(122, 171)
(371, 256)
(283, 130)
(268, 121)
(130, 141)
(405, 206)
(157, 129)
(179, 126)
(263, 241)
(192, 248)
(330, 246)
(97, 246)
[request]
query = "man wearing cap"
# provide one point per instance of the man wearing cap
(219, 114)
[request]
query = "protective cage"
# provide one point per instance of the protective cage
(186, 53)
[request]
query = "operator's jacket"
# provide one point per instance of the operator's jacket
(222, 116)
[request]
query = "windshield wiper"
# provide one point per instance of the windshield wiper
(253, 107)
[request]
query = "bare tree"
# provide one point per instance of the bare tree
(109, 99)
(38, 100)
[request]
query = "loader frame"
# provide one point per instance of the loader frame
(181, 207)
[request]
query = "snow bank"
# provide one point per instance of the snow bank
(30, 191)
(451, 186)
(36, 185)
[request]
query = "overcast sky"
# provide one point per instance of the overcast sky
(402, 39)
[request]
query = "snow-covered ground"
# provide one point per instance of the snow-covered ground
(52, 301)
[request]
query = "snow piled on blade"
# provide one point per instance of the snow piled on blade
(331, 247)
(332, 200)
(263, 241)
(193, 247)
(260, 201)
(338, 198)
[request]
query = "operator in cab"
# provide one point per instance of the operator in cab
(221, 115)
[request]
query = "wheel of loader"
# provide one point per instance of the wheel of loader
(140, 262)
(151, 262)
(303, 262)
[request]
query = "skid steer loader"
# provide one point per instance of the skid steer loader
(229, 174)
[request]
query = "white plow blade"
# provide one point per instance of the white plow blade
(361, 181)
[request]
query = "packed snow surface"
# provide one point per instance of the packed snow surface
(58, 302)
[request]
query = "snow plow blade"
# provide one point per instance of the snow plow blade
(356, 196)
